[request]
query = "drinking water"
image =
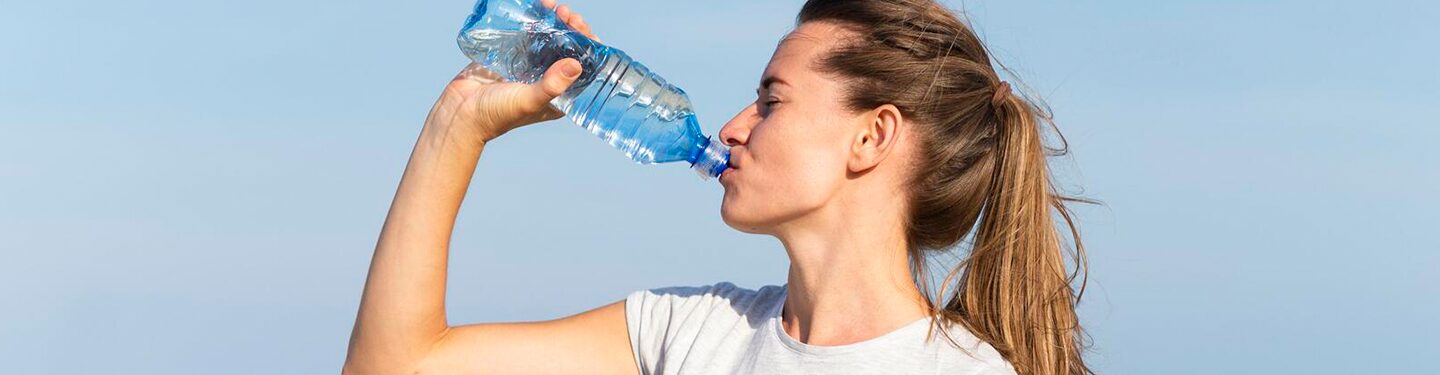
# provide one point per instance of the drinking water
(615, 97)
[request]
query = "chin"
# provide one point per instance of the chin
(741, 219)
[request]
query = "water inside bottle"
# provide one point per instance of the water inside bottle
(615, 97)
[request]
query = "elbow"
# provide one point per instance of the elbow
(370, 358)
(357, 366)
(351, 369)
(354, 366)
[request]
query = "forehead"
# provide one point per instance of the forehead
(800, 49)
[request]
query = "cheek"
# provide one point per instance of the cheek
(762, 201)
(795, 168)
(807, 157)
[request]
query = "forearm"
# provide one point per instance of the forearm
(402, 311)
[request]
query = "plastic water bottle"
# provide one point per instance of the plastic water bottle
(616, 98)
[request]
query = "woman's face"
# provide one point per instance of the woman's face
(788, 148)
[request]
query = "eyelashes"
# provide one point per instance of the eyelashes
(767, 105)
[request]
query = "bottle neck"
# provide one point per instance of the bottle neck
(710, 158)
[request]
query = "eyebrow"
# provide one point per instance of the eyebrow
(770, 80)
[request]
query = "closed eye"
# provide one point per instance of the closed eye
(767, 105)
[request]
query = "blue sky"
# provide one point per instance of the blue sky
(196, 186)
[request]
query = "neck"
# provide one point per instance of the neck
(850, 277)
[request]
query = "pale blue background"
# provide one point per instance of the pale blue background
(196, 186)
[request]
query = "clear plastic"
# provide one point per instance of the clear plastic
(616, 98)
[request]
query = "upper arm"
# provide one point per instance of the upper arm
(592, 342)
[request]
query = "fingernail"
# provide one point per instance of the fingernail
(570, 70)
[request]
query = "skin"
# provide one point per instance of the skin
(821, 178)
(839, 172)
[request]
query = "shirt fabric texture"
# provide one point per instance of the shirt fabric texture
(725, 329)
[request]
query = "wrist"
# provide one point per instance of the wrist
(453, 136)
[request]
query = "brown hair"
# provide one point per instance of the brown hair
(980, 170)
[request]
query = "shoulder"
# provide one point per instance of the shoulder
(721, 296)
(665, 324)
(965, 350)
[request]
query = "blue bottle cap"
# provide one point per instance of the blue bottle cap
(715, 158)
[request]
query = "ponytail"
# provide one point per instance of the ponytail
(1013, 290)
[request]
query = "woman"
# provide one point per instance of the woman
(888, 134)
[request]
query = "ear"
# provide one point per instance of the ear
(877, 136)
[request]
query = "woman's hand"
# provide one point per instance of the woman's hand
(479, 106)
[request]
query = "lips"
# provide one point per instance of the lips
(729, 170)
(732, 164)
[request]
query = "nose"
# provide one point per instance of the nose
(737, 130)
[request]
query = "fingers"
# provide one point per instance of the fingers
(564, 13)
(556, 79)
(478, 73)
(578, 23)
(570, 17)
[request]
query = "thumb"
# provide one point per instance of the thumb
(556, 79)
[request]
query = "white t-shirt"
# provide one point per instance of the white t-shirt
(725, 329)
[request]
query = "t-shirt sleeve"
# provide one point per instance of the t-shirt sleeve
(659, 318)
